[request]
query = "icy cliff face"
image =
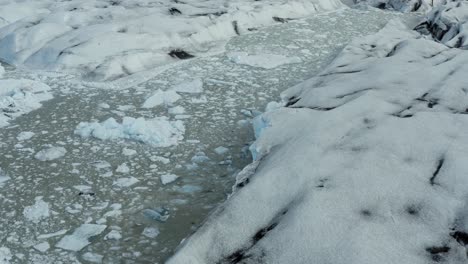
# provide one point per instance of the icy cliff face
(366, 163)
(106, 40)
(448, 24)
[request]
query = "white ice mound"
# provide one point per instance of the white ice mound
(20, 96)
(82, 35)
(367, 164)
(266, 61)
(158, 132)
(80, 237)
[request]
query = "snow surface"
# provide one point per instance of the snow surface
(20, 96)
(81, 36)
(266, 61)
(158, 132)
(79, 239)
(355, 169)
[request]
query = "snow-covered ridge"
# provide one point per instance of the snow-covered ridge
(365, 164)
(106, 39)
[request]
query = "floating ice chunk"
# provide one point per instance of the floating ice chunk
(158, 132)
(168, 178)
(163, 160)
(25, 135)
(113, 235)
(3, 178)
(42, 247)
(128, 152)
(200, 157)
(194, 86)
(36, 212)
(178, 110)
(150, 232)
(50, 153)
(159, 214)
(125, 182)
(92, 257)
(161, 97)
(79, 239)
(221, 150)
(266, 61)
(104, 106)
(5, 255)
(123, 168)
(2, 71)
(188, 188)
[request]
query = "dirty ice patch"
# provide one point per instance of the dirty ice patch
(158, 132)
(79, 239)
(265, 61)
(36, 212)
(18, 97)
(193, 86)
(50, 153)
(161, 97)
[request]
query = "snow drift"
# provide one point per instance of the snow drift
(366, 163)
(106, 40)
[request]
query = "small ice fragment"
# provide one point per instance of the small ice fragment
(25, 135)
(128, 152)
(161, 97)
(42, 247)
(125, 182)
(168, 178)
(178, 110)
(92, 257)
(150, 232)
(123, 168)
(3, 178)
(50, 153)
(193, 86)
(113, 235)
(36, 212)
(159, 214)
(79, 239)
(221, 150)
(104, 106)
